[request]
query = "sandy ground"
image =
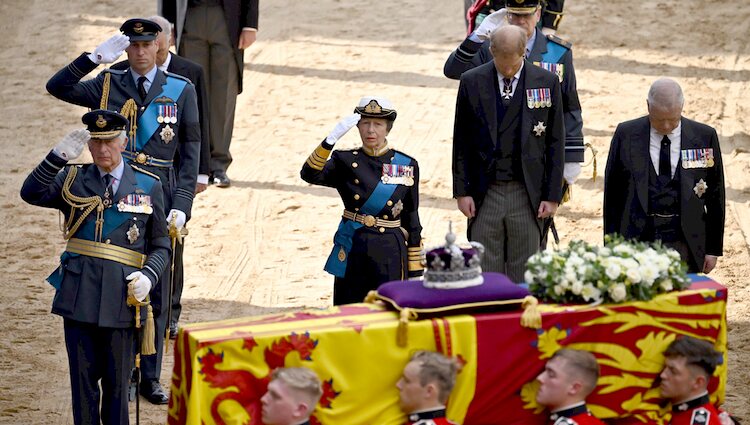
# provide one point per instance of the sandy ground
(261, 244)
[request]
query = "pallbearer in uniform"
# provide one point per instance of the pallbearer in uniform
(163, 112)
(116, 233)
(689, 364)
(568, 378)
(379, 237)
(424, 388)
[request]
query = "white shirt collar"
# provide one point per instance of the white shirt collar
(116, 173)
(163, 67)
(150, 75)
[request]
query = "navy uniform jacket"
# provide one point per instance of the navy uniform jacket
(354, 174)
(193, 72)
(475, 136)
(94, 290)
(626, 187)
(179, 190)
(470, 55)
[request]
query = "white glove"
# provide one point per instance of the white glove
(141, 285)
(571, 170)
(725, 419)
(71, 146)
(493, 21)
(179, 218)
(342, 127)
(110, 50)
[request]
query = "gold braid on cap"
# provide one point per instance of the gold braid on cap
(130, 111)
(87, 204)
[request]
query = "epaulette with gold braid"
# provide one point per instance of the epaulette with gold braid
(554, 38)
(145, 172)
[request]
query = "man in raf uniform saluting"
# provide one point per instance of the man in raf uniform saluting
(424, 388)
(163, 111)
(117, 233)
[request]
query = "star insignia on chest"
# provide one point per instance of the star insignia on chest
(539, 128)
(396, 210)
(166, 134)
(133, 234)
(700, 188)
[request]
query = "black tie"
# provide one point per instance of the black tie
(665, 163)
(142, 87)
(507, 90)
(107, 200)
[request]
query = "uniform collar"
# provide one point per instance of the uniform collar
(150, 75)
(427, 414)
(569, 412)
(116, 172)
(376, 152)
(692, 403)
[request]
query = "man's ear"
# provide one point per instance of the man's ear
(575, 388)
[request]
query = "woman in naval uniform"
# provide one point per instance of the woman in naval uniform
(379, 237)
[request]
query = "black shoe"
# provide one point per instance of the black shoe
(173, 330)
(219, 179)
(153, 392)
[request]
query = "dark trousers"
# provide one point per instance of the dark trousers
(375, 258)
(179, 281)
(99, 355)
(205, 40)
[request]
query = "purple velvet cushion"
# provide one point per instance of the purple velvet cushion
(496, 289)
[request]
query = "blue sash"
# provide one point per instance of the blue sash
(342, 240)
(554, 53)
(147, 124)
(113, 218)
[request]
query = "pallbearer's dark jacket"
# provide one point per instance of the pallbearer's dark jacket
(577, 415)
(549, 52)
(356, 175)
(90, 288)
(170, 95)
(430, 417)
(698, 411)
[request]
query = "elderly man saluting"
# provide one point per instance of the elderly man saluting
(117, 233)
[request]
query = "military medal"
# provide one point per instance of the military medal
(167, 134)
(135, 203)
(133, 234)
(538, 98)
(397, 174)
(700, 188)
(160, 117)
(342, 254)
(539, 128)
(697, 158)
(555, 68)
(396, 210)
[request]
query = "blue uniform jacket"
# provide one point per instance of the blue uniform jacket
(94, 290)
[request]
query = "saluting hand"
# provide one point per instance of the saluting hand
(110, 50)
(71, 146)
(493, 21)
(342, 127)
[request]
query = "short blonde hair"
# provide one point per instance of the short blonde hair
(300, 379)
(435, 367)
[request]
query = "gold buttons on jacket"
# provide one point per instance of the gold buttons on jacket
(389, 203)
(355, 152)
(382, 230)
(356, 209)
(385, 216)
(356, 196)
(355, 165)
(108, 241)
(356, 181)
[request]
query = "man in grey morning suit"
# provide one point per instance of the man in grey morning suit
(508, 153)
